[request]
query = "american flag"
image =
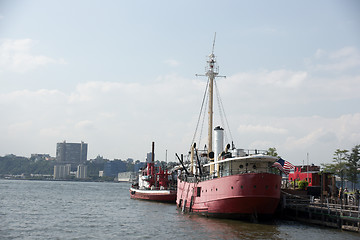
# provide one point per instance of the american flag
(283, 166)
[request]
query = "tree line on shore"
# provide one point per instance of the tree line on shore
(346, 165)
(18, 165)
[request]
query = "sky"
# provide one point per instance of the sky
(119, 75)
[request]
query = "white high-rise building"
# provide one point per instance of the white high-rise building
(62, 171)
(81, 171)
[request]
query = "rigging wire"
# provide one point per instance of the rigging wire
(223, 114)
(220, 111)
(204, 115)
(201, 109)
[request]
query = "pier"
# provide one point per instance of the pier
(339, 214)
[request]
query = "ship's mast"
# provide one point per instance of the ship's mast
(212, 71)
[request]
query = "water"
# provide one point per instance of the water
(91, 210)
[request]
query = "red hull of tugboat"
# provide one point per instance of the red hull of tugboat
(235, 196)
(168, 196)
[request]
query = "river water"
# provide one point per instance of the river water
(93, 210)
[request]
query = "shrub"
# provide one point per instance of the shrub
(303, 184)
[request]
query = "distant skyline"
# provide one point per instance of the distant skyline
(121, 74)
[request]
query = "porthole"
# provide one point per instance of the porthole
(232, 187)
(216, 189)
(254, 186)
(266, 187)
(242, 187)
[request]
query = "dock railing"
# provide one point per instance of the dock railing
(341, 214)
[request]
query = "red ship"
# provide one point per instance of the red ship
(154, 184)
(227, 182)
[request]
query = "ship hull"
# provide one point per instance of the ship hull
(235, 196)
(168, 196)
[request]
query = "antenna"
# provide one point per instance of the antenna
(213, 44)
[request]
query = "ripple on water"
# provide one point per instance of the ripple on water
(79, 210)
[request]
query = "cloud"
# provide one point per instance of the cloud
(16, 56)
(105, 114)
(309, 139)
(263, 30)
(320, 53)
(340, 60)
(116, 118)
(85, 124)
(19, 127)
(264, 90)
(262, 129)
(348, 127)
(91, 90)
(32, 98)
(293, 137)
(266, 108)
(50, 132)
(321, 136)
(281, 78)
(172, 62)
(329, 76)
(285, 78)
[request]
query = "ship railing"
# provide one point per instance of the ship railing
(161, 188)
(224, 173)
(186, 178)
(203, 154)
(250, 152)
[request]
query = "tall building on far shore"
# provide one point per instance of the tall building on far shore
(81, 171)
(73, 153)
(62, 171)
(149, 157)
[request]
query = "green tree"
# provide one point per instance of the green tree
(11, 164)
(129, 166)
(352, 165)
(272, 152)
(339, 165)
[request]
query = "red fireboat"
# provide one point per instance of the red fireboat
(154, 184)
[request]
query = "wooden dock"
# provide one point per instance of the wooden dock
(321, 212)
